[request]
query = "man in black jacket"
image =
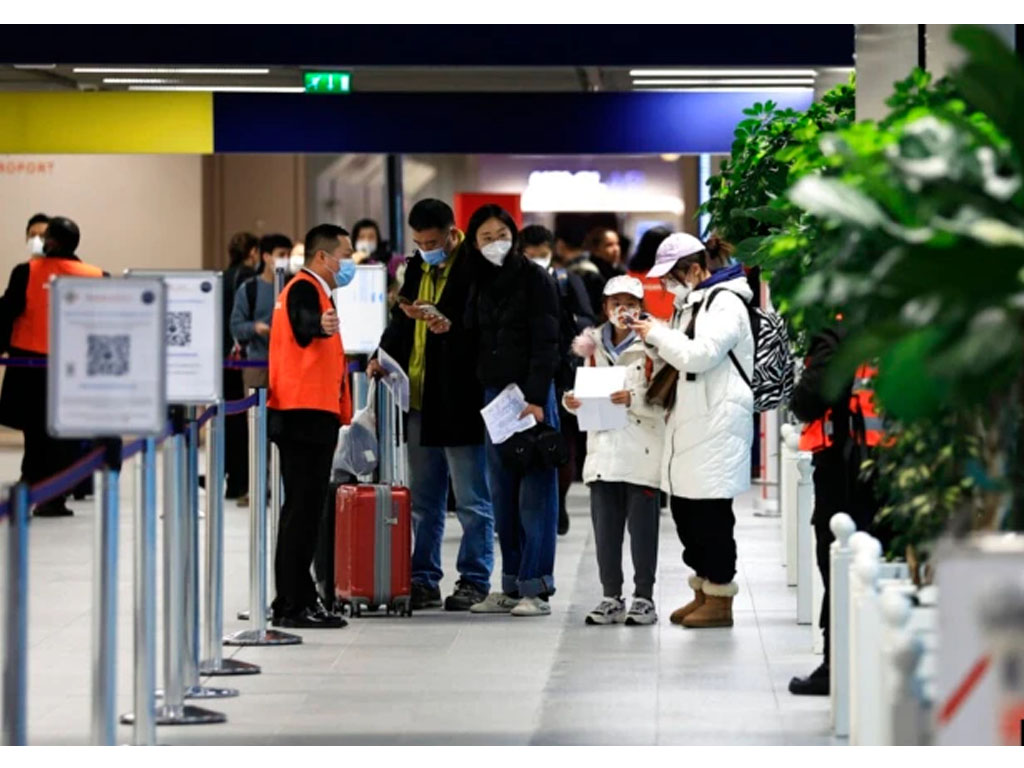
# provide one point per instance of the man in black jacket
(575, 315)
(838, 486)
(428, 338)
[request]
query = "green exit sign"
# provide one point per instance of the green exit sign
(328, 82)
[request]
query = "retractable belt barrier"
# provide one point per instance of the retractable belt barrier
(182, 665)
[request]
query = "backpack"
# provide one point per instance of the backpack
(773, 361)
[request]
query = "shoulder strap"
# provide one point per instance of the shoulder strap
(250, 294)
(732, 355)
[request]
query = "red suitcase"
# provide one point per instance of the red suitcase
(373, 526)
(373, 548)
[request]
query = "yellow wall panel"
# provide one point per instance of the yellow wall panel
(106, 123)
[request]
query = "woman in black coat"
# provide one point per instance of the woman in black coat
(513, 310)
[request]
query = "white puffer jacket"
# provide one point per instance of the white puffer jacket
(632, 454)
(710, 429)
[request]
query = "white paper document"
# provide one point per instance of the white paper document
(501, 415)
(397, 380)
(594, 388)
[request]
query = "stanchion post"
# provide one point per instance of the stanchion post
(144, 732)
(215, 663)
(174, 711)
(805, 540)
(15, 685)
(104, 616)
(840, 557)
(258, 634)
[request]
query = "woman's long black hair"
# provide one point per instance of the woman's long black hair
(643, 259)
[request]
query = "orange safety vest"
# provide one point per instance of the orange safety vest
(819, 435)
(31, 330)
(306, 378)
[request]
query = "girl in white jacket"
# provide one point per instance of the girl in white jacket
(708, 438)
(623, 466)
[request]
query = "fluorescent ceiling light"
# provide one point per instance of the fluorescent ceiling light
(729, 81)
(220, 88)
(168, 71)
(140, 80)
(713, 72)
(747, 89)
(35, 66)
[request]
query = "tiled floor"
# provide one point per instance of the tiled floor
(452, 678)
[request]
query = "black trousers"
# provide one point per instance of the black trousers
(46, 456)
(613, 507)
(236, 438)
(705, 528)
(306, 472)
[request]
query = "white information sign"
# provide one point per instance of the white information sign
(106, 368)
(194, 335)
(363, 309)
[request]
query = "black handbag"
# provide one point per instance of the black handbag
(540, 447)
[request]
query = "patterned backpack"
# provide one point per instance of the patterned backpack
(773, 361)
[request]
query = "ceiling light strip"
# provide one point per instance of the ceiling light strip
(169, 71)
(713, 72)
(729, 81)
(219, 88)
(140, 80)
(727, 89)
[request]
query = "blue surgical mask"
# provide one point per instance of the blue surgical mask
(434, 257)
(345, 273)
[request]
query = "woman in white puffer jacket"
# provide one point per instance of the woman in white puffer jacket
(708, 439)
(623, 466)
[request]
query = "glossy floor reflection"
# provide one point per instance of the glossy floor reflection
(452, 678)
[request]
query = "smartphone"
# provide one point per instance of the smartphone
(402, 301)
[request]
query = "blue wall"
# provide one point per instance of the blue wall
(494, 123)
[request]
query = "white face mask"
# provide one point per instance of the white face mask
(677, 289)
(497, 251)
(35, 246)
(543, 263)
(366, 246)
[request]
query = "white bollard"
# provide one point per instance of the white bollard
(866, 637)
(805, 539)
(841, 556)
(789, 502)
(902, 706)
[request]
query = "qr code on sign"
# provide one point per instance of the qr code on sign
(179, 329)
(108, 355)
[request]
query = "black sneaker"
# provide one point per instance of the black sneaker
(55, 508)
(465, 596)
(815, 684)
(424, 596)
(307, 619)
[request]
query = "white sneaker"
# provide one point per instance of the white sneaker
(641, 612)
(496, 602)
(532, 606)
(611, 610)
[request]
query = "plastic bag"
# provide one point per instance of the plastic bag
(357, 452)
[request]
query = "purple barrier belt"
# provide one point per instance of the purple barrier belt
(238, 406)
(208, 414)
(68, 479)
(245, 363)
(41, 362)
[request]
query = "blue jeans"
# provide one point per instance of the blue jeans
(526, 516)
(429, 468)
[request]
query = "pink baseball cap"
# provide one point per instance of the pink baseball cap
(672, 249)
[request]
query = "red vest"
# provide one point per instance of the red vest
(818, 435)
(306, 378)
(657, 301)
(31, 331)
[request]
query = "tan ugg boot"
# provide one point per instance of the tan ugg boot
(696, 582)
(717, 608)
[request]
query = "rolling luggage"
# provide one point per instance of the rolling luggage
(373, 527)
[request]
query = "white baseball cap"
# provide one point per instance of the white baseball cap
(673, 248)
(624, 284)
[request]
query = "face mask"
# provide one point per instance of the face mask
(434, 257)
(366, 246)
(345, 273)
(497, 251)
(543, 263)
(35, 246)
(677, 289)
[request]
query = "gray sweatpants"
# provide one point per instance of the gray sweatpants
(612, 505)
